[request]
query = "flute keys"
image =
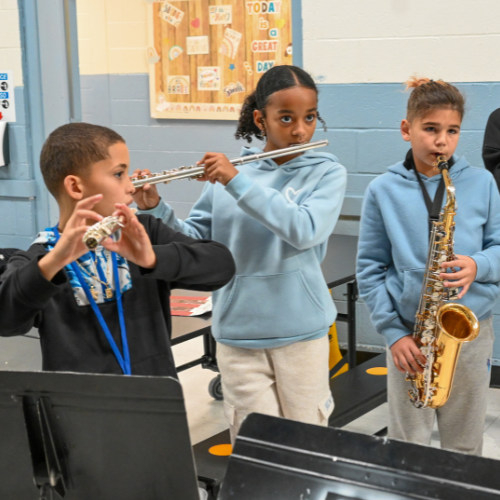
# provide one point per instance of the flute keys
(101, 230)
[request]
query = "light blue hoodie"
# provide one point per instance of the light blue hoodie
(276, 220)
(394, 242)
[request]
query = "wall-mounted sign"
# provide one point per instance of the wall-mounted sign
(212, 53)
(7, 104)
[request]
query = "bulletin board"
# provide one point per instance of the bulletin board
(205, 56)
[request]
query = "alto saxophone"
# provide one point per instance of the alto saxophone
(441, 328)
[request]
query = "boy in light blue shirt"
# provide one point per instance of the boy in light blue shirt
(392, 254)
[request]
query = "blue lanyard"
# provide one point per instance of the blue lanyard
(123, 361)
(100, 272)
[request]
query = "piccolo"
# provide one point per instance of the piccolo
(197, 171)
(102, 230)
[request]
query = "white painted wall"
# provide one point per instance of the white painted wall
(10, 40)
(378, 41)
(112, 36)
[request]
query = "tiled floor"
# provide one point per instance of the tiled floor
(206, 416)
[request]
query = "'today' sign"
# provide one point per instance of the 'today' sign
(273, 7)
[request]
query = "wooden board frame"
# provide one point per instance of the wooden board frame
(201, 66)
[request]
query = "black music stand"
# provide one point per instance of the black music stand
(281, 459)
(81, 437)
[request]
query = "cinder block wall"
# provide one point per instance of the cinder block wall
(359, 53)
(16, 210)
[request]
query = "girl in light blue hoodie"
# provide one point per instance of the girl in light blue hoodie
(271, 321)
(392, 254)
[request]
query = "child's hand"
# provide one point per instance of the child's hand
(217, 168)
(462, 278)
(134, 243)
(407, 356)
(70, 246)
(146, 197)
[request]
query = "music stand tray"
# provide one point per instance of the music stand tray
(280, 459)
(103, 437)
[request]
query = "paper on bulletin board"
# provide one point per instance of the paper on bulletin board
(212, 53)
(7, 104)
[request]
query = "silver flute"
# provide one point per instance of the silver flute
(196, 171)
(102, 230)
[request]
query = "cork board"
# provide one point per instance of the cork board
(205, 56)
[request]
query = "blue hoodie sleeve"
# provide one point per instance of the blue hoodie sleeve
(199, 223)
(302, 226)
(488, 260)
(374, 257)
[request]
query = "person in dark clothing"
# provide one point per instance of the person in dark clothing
(5, 255)
(491, 145)
(104, 311)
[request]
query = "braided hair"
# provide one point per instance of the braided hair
(276, 79)
(432, 94)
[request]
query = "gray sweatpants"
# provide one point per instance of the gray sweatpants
(461, 419)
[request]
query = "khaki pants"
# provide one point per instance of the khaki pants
(461, 419)
(290, 382)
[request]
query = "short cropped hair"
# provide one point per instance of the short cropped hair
(72, 149)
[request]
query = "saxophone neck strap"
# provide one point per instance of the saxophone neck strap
(433, 206)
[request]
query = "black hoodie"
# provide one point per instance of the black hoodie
(70, 335)
(491, 145)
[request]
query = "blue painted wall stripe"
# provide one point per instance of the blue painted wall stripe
(17, 189)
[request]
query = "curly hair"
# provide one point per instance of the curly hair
(276, 79)
(432, 94)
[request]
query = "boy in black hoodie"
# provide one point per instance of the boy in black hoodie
(104, 311)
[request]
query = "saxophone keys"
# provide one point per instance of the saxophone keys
(426, 337)
(429, 323)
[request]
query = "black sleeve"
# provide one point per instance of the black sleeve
(24, 292)
(5, 255)
(491, 145)
(185, 262)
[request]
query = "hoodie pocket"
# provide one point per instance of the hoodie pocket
(412, 289)
(273, 306)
